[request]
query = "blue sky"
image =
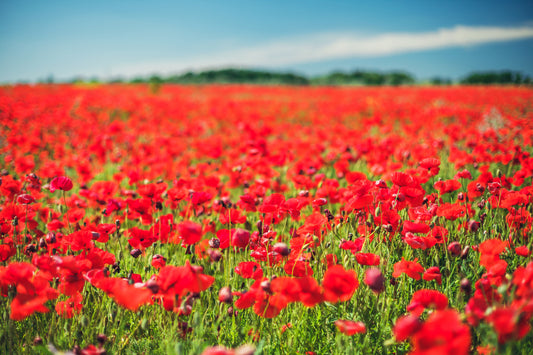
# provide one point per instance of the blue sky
(108, 39)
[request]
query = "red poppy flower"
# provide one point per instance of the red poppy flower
(451, 211)
(367, 259)
(447, 186)
(410, 268)
(431, 164)
(298, 268)
(426, 299)
(350, 327)
(158, 261)
(61, 183)
(339, 284)
(509, 323)
(522, 251)
(433, 273)
(249, 270)
(126, 295)
(417, 242)
(406, 326)
(189, 232)
(401, 179)
(300, 289)
(415, 227)
(240, 238)
(25, 199)
(71, 306)
(442, 333)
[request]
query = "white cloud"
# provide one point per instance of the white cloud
(330, 46)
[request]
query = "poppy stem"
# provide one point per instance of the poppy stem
(66, 211)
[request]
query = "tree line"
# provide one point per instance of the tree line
(357, 77)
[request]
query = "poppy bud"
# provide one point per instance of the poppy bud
(214, 243)
(116, 267)
(37, 341)
(240, 238)
(461, 196)
(480, 188)
(231, 313)
(466, 286)
(375, 280)
(145, 323)
(303, 193)
(473, 226)
(265, 286)
(225, 295)
(51, 238)
(42, 243)
(454, 248)
(381, 184)
(95, 235)
(159, 205)
(387, 228)
(135, 253)
(281, 249)
(30, 249)
(214, 255)
(465, 251)
(319, 202)
(101, 339)
(152, 286)
(15, 221)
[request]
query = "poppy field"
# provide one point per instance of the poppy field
(234, 219)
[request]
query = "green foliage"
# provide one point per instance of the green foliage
(505, 77)
(359, 77)
(226, 76)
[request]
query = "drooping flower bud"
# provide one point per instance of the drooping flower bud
(375, 280)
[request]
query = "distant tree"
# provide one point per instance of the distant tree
(155, 82)
(505, 77)
(400, 78)
(440, 81)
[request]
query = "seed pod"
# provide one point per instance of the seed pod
(466, 286)
(225, 295)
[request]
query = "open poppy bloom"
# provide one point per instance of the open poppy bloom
(350, 327)
(61, 183)
(410, 268)
(339, 284)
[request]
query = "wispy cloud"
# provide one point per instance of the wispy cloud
(330, 46)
